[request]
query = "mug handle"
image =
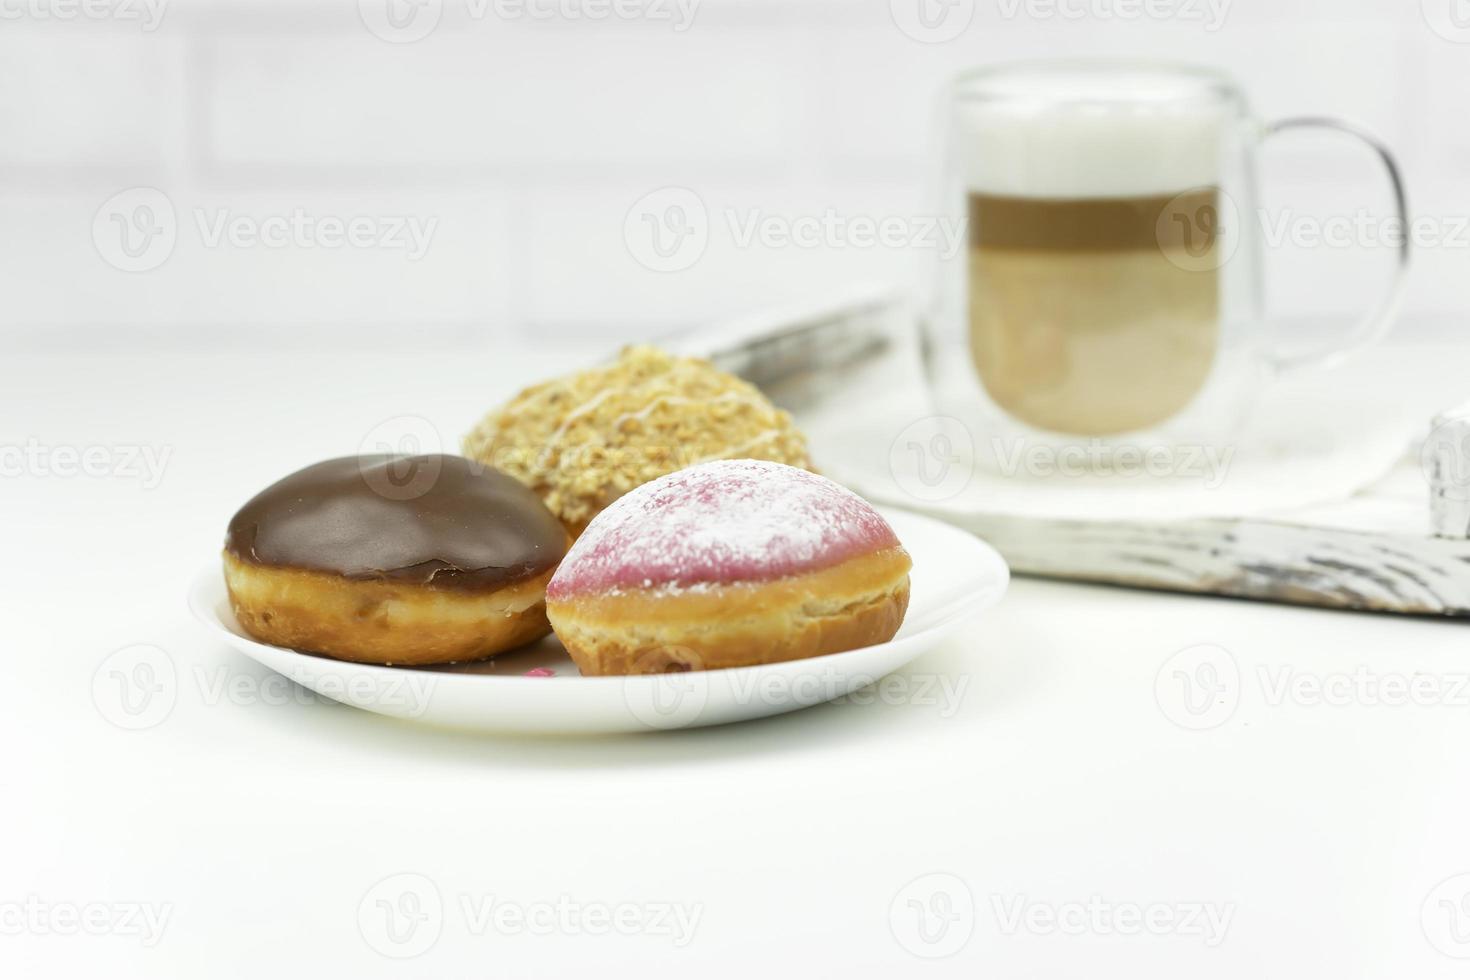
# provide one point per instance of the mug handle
(1371, 327)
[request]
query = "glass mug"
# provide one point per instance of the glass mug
(1110, 290)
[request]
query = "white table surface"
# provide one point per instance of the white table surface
(259, 821)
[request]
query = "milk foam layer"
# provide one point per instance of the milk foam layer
(1090, 132)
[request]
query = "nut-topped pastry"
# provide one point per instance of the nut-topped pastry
(582, 441)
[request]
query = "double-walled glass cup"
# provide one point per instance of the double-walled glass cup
(1111, 291)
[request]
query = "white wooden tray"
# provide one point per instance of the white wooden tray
(1388, 530)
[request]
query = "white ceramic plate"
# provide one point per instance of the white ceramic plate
(955, 576)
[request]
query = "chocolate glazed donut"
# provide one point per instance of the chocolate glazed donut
(394, 560)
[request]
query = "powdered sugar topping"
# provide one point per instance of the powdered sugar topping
(718, 523)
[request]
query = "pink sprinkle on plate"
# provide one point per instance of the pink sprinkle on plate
(540, 672)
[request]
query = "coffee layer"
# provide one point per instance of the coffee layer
(443, 521)
(1187, 220)
(1081, 320)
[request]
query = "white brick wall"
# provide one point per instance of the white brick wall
(528, 141)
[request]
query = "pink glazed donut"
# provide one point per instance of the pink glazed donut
(728, 564)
